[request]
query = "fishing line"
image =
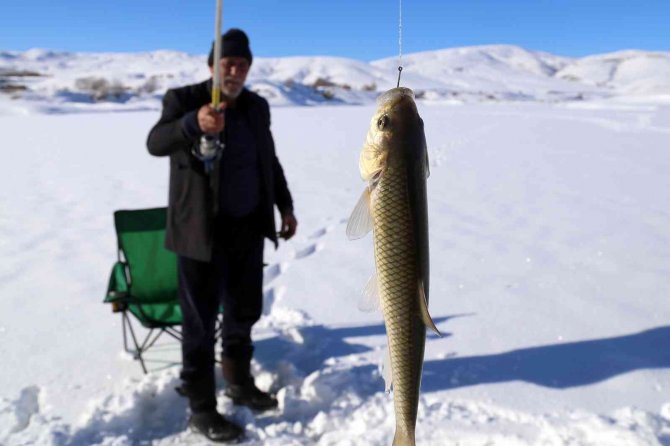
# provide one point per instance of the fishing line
(399, 41)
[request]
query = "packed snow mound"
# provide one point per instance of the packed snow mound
(50, 81)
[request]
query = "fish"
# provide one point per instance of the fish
(394, 164)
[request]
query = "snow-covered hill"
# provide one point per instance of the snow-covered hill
(46, 80)
(627, 72)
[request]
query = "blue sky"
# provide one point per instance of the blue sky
(358, 29)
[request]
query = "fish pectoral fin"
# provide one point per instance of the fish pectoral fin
(423, 307)
(370, 300)
(387, 370)
(360, 221)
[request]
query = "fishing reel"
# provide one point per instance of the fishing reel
(208, 150)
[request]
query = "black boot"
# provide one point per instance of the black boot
(201, 394)
(251, 396)
(205, 419)
(215, 427)
(240, 385)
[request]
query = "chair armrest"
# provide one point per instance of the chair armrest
(118, 284)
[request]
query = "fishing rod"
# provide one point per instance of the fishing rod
(216, 83)
(211, 147)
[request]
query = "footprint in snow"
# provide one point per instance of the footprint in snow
(321, 232)
(25, 407)
(273, 271)
(270, 297)
(309, 250)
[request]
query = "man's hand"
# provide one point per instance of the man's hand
(288, 226)
(210, 120)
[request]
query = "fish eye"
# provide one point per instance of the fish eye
(382, 122)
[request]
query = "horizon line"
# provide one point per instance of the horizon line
(260, 56)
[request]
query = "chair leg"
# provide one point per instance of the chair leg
(138, 349)
(174, 333)
(148, 341)
(144, 367)
(146, 346)
(124, 321)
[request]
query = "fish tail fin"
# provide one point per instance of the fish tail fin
(403, 439)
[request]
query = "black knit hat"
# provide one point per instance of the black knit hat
(233, 43)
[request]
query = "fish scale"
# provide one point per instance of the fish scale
(396, 263)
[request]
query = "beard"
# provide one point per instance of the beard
(231, 87)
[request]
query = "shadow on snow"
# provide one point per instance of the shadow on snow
(557, 366)
(309, 349)
(318, 344)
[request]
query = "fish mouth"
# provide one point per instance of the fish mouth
(394, 96)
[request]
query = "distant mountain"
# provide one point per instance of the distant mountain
(626, 72)
(81, 81)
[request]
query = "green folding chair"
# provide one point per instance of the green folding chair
(143, 282)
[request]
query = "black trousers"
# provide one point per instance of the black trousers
(232, 279)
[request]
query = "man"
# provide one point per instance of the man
(220, 210)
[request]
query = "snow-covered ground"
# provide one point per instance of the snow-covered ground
(550, 241)
(550, 249)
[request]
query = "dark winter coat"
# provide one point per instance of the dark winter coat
(193, 195)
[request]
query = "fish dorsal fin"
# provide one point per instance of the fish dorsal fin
(360, 221)
(387, 370)
(370, 300)
(423, 306)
